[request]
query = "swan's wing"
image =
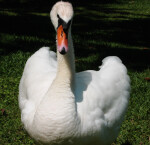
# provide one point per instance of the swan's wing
(39, 72)
(102, 97)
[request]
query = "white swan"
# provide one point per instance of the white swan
(59, 106)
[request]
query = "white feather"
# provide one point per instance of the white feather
(54, 110)
(39, 72)
(102, 98)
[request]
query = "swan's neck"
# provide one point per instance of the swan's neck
(66, 65)
(58, 105)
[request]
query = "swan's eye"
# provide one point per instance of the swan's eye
(60, 21)
(58, 16)
(63, 23)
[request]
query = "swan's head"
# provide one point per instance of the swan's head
(61, 16)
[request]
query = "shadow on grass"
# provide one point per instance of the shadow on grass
(126, 37)
(92, 32)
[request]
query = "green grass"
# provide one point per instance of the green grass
(99, 30)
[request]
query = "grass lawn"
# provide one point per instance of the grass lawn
(99, 29)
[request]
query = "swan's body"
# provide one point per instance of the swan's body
(58, 105)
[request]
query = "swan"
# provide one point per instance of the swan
(59, 106)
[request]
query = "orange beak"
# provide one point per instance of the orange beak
(62, 40)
